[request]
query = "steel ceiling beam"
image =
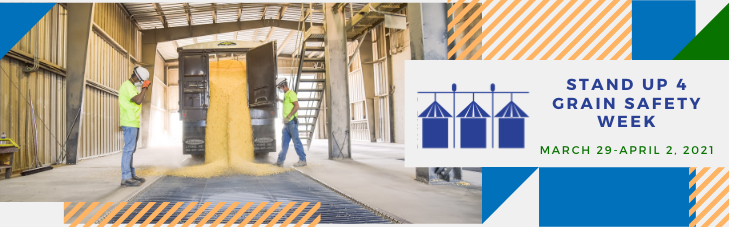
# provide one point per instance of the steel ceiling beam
(279, 16)
(187, 13)
(263, 17)
(176, 33)
(215, 16)
(240, 12)
(286, 41)
(160, 14)
(146, 13)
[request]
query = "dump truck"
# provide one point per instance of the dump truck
(194, 91)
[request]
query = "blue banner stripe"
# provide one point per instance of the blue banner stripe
(661, 29)
(17, 19)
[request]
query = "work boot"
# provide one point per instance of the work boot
(279, 164)
(130, 183)
(300, 164)
(141, 180)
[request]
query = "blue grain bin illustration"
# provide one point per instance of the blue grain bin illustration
(511, 126)
(473, 126)
(435, 126)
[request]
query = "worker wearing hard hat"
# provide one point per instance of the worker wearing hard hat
(130, 109)
(291, 124)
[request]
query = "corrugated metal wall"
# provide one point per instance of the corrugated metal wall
(114, 20)
(382, 85)
(109, 65)
(358, 120)
(100, 133)
(48, 92)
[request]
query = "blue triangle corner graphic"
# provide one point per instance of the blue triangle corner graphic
(19, 19)
(498, 184)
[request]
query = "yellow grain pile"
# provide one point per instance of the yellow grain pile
(229, 134)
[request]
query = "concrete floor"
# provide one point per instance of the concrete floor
(375, 176)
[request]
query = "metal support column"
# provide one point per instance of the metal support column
(368, 78)
(149, 57)
(80, 16)
(428, 41)
(337, 84)
(391, 84)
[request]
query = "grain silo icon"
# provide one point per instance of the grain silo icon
(511, 126)
(473, 126)
(435, 125)
(474, 122)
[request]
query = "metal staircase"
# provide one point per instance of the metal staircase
(309, 82)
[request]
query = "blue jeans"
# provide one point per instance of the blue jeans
(291, 132)
(131, 135)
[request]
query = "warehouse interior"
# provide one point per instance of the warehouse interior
(345, 61)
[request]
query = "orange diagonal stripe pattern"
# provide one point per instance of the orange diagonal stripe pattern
(295, 214)
(701, 187)
(126, 214)
(586, 29)
(711, 203)
(200, 210)
(280, 214)
(545, 30)
(455, 6)
(480, 23)
(196, 214)
(462, 13)
(559, 29)
(112, 214)
(610, 34)
(140, 214)
(73, 211)
(210, 215)
(154, 214)
(98, 214)
(83, 215)
(502, 30)
(238, 214)
(168, 214)
(517, 29)
(225, 214)
(308, 215)
(183, 213)
(572, 30)
(486, 31)
(600, 31)
(253, 214)
(265, 215)
(698, 176)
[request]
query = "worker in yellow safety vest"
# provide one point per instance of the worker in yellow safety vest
(130, 109)
(291, 124)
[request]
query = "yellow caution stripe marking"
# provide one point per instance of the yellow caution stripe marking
(275, 210)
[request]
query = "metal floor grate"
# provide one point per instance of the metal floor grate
(287, 187)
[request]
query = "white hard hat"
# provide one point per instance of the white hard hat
(280, 80)
(141, 73)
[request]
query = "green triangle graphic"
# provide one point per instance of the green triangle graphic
(712, 43)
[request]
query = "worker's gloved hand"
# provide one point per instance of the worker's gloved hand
(286, 120)
(146, 84)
